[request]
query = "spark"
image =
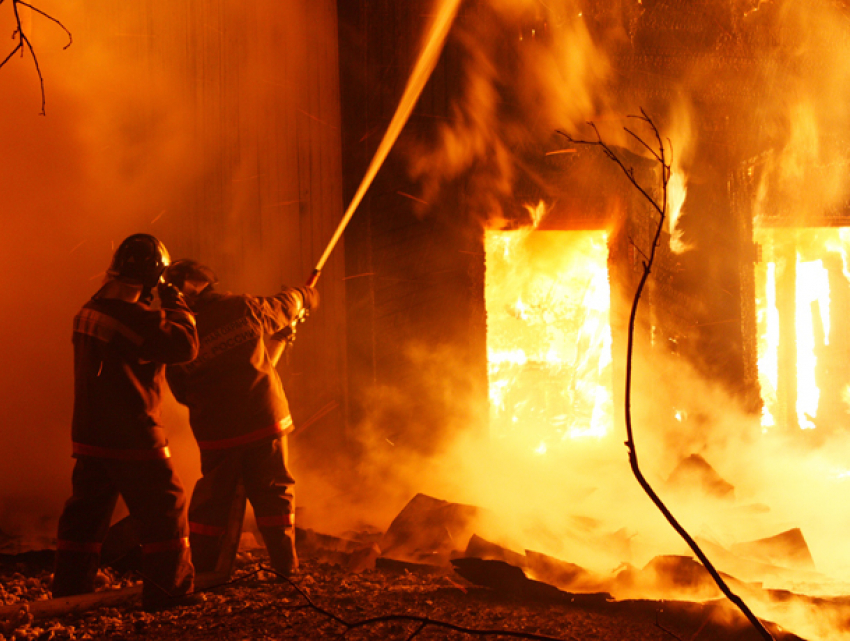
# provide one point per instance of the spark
(319, 120)
(419, 200)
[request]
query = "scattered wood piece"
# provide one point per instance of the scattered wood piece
(787, 549)
(312, 543)
(671, 576)
(82, 602)
(392, 565)
(511, 581)
(364, 558)
(695, 474)
(429, 530)
(562, 574)
(480, 548)
(66, 605)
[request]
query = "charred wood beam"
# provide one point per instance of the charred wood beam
(66, 605)
(105, 598)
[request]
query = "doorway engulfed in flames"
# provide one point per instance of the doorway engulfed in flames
(548, 336)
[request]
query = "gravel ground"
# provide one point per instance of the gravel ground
(326, 601)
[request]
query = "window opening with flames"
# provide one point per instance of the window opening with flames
(802, 303)
(548, 336)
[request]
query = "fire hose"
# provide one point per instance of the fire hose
(421, 72)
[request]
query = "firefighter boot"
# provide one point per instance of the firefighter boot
(280, 544)
(74, 572)
(168, 577)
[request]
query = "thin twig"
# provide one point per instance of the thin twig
(417, 631)
(423, 621)
(666, 169)
(638, 249)
(24, 43)
(665, 630)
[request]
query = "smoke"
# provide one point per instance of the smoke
(529, 69)
(808, 82)
(139, 136)
(74, 183)
(120, 149)
(521, 84)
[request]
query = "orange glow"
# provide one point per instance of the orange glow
(794, 310)
(548, 336)
(677, 190)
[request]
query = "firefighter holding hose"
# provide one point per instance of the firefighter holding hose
(238, 412)
(121, 348)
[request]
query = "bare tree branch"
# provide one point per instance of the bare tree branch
(422, 621)
(24, 43)
(659, 153)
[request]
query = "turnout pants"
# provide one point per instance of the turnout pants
(261, 468)
(155, 498)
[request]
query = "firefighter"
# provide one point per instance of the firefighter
(238, 413)
(121, 346)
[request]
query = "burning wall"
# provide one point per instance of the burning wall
(727, 82)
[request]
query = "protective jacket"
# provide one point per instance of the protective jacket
(232, 390)
(120, 353)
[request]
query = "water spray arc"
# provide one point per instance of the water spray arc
(445, 15)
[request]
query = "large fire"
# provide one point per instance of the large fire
(548, 336)
(801, 285)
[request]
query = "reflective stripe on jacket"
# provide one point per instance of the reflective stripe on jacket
(232, 389)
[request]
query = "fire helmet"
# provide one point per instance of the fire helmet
(140, 260)
(187, 269)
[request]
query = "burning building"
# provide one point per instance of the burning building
(496, 262)
(472, 338)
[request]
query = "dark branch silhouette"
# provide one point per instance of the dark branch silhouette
(362, 623)
(423, 621)
(23, 43)
(659, 153)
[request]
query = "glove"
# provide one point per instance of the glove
(146, 297)
(310, 295)
(169, 295)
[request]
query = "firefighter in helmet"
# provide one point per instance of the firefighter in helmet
(238, 412)
(121, 347)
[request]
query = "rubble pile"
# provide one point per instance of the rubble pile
(411, 580)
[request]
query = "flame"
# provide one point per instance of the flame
(793, 290)
(548, 335)
(767, 320)
(812, 293)
(677, 191)
(537, 213)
